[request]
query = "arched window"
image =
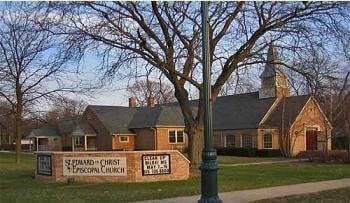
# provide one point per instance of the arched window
(267, 141)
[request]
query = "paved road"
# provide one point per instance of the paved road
(266, 193)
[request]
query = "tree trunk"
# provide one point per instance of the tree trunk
(18, 129)
(348, 161)
(18, 148)
(195, 138)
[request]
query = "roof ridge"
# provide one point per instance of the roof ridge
(223, 96)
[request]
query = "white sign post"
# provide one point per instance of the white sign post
(94, 166)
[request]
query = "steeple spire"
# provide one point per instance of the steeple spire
(273, 80)
(271, 66)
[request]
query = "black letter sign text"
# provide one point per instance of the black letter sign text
(157, 164)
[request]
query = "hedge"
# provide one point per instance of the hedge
(340, 143)
(249, 152)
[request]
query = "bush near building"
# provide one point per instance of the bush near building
(249, 152)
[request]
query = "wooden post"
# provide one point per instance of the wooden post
(85, 142)
(37, 144)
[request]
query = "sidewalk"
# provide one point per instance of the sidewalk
(266, 193)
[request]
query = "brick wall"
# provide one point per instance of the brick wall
(55, 143)
(275, 138)
(311, 116)
(178, 163)
(162, 140)
(117, 145)
(103, 138)
(144, 139)
(66, 141)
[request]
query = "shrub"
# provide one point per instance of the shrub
(340, 156)
(231, 151)
(249, 152)
(340, 143)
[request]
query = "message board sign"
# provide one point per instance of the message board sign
(94, 166)
(44, 165)
(156, 164)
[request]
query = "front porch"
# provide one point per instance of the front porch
(40, 144)
(83, 138)
(84, 143)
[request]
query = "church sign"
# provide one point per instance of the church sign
(112, 166)
(94, 166)
(44, 165)
(156, 164)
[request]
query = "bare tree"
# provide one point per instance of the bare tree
(32, 61)
(167, 36)
(241, 81)
(335, 101)
(64, 107)
(141, 90)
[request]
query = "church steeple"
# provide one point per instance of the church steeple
(274, 82)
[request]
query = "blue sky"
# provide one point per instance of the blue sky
(110, 94)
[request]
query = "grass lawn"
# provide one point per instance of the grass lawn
(18, 185)
(241, 160)
(338, 195)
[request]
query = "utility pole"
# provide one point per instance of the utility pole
(209, 166)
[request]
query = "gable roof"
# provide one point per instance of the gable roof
(160, 115)
(229, 112)
(292, 107)
(64, 126)
(240, 111)
(116, 119)
(45, 131)
(67, 125)
(83, 128)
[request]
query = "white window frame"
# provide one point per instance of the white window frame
(265, 142)
(123, 136)
(251, 141)
(176, 137)
(234, 140)
(78, 139)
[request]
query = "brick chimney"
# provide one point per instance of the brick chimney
(132, 102)
(150, 101)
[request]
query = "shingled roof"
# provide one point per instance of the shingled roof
(83, 128)
(67, 125)
(45, 131)
(160, 115)
(240, 111)
(115, 118)
(292, 107)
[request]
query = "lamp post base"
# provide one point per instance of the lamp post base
(210, 200)
(209, 168)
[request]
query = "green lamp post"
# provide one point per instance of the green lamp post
(209, 166)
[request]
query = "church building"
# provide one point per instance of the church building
(270, 118)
